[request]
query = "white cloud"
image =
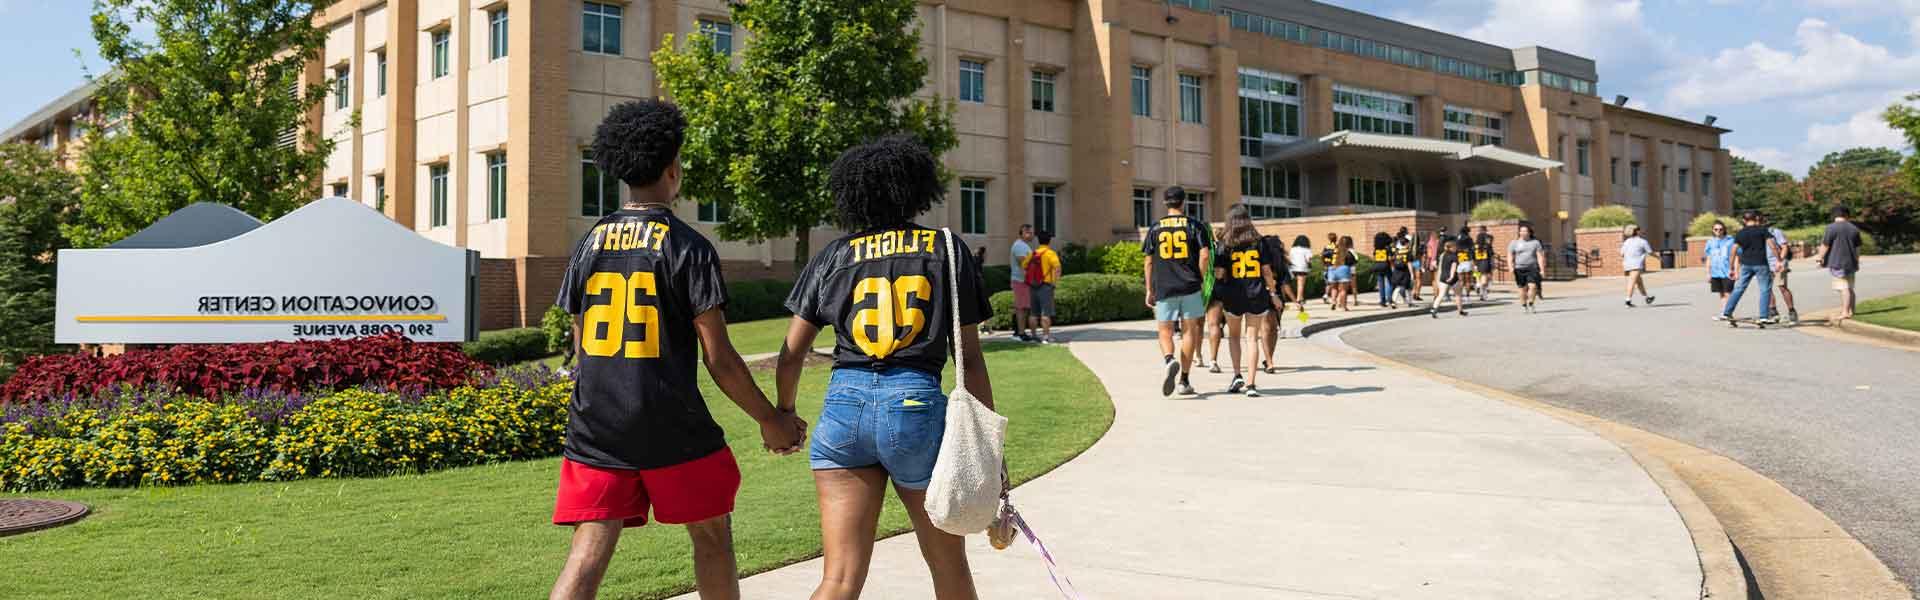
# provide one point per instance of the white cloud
(1599, 29)
(1825, 60)
(1769, 156)
(1863, 128)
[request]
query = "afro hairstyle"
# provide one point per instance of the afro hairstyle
(884, 183)
(638, 140)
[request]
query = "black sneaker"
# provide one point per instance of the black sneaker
(1793, 316)
(1649, 300)
(1629, 304)
(1433, 312)
(1173, 373)
(1237, 385)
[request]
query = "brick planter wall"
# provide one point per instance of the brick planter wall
(1599, 251)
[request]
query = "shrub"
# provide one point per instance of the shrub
(1084, 298)
(1813, 234)
(148, 437)
(558, 325)
(1498, 210)
(389, 361)
(1702, 225)
(1611, 215)
(508, 346)
(1077, 258)
(997, 278)
(756, 300)
(1122, 258)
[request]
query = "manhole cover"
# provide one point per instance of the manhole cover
(20, 515)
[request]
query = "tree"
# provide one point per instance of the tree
(1882, 202)
(1905, 117)
(1752, 182)
(817, 77)
(197, 113)
(1873, 159)
(36, 198)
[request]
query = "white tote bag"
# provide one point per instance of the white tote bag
(964, 496)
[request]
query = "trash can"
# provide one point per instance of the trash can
(1666, 259)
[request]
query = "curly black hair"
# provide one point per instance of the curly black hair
(638, 140)
(884, 183)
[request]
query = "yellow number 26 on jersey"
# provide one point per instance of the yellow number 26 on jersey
(892, 310)
(604, 326)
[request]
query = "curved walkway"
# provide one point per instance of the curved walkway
(1346, 480)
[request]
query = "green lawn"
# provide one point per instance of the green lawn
(480, 532)
(750, 338)
(1900, 312)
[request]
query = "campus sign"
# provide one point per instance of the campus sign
(332, 269)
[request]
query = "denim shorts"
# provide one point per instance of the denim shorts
(892, 419)
(1340, 274)
(1180, 308)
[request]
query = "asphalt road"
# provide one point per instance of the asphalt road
(1836, 422)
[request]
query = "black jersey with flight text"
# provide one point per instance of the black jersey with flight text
(1483, 249)
(1244, 281)
(886, 295)
(637, 280)
(1173, 246)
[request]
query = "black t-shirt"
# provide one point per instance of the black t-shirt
(1483, 247)
(638, 279)
(1173, 245)
(1244, 279)
(1447, 262)
(1752, 241)
(1274, 252)
(886, 295)
(1401, 256)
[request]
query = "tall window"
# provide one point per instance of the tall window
(497, 34)
(721, 33)
(437, 190)
(1379, 192)
(380, 193)
(380, 74)
(1196, 206)
(1190, 98)
(1269, 103)
(1044, 197)
(1043, 91)
(342, 88)
(1581, 148)
(497, 185)
(600, 28)
(440, 53)
(338, 190)
(973, 206)
(1356, 109)
(973, 81)
(1142, 91)
(1706, 184)
(1685, 174)
(599, 194)
(1270, 193)
(1142, 207)
(1613, 171)
(1633, 173)
(717, 211)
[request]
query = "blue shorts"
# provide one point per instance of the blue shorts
(1342, 273)
(1180, 308)
(892, 419)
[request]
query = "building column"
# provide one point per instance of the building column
(1722, 201)
(662, 20)
(1019, 99)
(460, 159)
(1103, 124)
(1431, 118)
(1601, 156)
(537, 164)
(356, 172)
(1225, 124)
(1316, 106)
(1656, 183)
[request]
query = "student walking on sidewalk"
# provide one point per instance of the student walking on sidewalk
(1756, 255)
(1634, 251)
(1782, 266)
(1840, 255)
(1178, 250)
(1528, 257)
(884, 412)
(1299, 261)
(1383, 267)
(1245, 288)
(1456, 269)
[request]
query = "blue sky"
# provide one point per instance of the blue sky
(1794, 79)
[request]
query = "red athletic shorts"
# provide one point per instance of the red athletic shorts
(688, 492)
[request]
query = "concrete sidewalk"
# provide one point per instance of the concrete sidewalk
(1346, 480)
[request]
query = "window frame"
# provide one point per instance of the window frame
(719, 33)
(1582, 151)
(603, 14)
(590, 168)
(438, 178)
(380, 73)
(496, 185)
(380, 192)
(342, 87)
(1633, 174)
(1192, 98)
(713, 213)
(441, 48)
(497, 28)
(1685, 174)
(1044, 90)
(972, 192)
(1140, 90)
(1142, 207)
(973, 80)
(1046, 207)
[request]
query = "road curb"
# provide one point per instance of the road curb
(1742, 523)
(1326, 324)
(1855, 332)
(1888, 334)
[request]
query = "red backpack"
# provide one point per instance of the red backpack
(1037, 267)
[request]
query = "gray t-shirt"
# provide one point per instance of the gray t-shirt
(1019, 253)
(1633, 253)
(1525, 253)
(1843, 247)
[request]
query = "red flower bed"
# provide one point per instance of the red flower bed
(212, 371)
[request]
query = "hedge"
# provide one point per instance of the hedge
(558, 325)
(388, 361)
(1497, 210)
(149, 437)
(756, 300)
(1612, 215)
(508, 346)
(1084, 298)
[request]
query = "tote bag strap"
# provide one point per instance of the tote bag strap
(953, 289)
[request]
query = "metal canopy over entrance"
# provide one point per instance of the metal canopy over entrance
(1417, 158)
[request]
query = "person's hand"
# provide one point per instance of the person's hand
(1149, 299)
(781, 435)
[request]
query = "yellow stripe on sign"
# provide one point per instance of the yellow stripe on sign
(251, 318)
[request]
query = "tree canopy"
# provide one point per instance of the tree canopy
(36, 198)
(816, 77)
(1753, 182)
(1872, 159)
(197, 113)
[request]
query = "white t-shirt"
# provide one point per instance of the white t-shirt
(1634, 252)
(1298, 259)
(1019, 253)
